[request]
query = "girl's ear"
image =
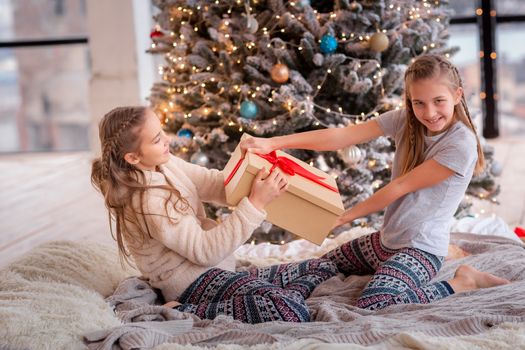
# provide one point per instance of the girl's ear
(132, 158)
(458, 95)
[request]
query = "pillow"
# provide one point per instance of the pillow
(53, 295)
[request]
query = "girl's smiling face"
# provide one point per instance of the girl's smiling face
(433, 103)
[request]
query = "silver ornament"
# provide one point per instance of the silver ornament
(200, 158)
(496, 168)
(321, 163)
(251, 24)
(352, 155)
(318, 60)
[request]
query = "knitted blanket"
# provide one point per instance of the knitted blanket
(336, 320)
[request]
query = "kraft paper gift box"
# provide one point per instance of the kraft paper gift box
(309, 207)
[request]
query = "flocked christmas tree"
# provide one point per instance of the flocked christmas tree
(275, 67)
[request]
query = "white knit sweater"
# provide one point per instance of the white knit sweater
(185, 245)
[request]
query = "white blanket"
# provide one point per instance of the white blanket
(55, 294)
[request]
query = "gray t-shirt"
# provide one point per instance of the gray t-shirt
(421, 219)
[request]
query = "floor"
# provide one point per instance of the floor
(46, 197)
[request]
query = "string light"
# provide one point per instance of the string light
(228, 90)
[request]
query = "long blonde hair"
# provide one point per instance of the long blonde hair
(120, 182)
(412, 143)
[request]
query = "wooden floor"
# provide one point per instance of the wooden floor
(46, 197)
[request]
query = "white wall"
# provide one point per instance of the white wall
(147, 72)
(122, 72)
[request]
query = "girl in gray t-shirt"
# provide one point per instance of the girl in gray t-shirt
(437, 152)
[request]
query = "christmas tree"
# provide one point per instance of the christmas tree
(275, 67)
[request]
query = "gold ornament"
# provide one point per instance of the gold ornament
(280, 73)
(379, 42)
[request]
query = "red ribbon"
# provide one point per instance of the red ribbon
(232, 174)
(288, 166)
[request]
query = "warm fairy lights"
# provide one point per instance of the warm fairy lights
(187, 15)
(214, 79)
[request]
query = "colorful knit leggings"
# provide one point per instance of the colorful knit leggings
(278, 293)
(273, 293)
(399, 276)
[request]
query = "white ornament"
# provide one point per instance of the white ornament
(200, 158)
(321, 163)
(352, 155)
(251, 24)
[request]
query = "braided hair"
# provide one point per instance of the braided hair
(117, 138)
(120, 182)
(412, 143)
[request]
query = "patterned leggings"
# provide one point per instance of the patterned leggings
(273, 293)
(278, 293)
(399, 276)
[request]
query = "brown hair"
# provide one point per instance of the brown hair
(426, 67)
(120, 182)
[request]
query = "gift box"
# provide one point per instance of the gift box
(310, 205)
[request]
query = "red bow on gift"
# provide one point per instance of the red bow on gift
(288, 166)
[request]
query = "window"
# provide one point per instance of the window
(43, 83)
(463, 8)
(509, 7)
(511, 78)
(508, 27)
(42, 19)
(467, 60)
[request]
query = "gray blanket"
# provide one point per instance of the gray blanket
(336, 320)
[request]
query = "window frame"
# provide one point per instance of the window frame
(487, 21)
(44, 42)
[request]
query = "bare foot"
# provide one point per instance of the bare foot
(455, 252)
(468, 278)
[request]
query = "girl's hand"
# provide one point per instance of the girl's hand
(266, 187)
(257, 145)
(344, 218)
(338, 223)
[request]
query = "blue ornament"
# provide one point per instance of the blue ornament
(328, 44)
(187, 133)
(249, 109)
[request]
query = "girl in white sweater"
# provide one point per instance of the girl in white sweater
(155, 200)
